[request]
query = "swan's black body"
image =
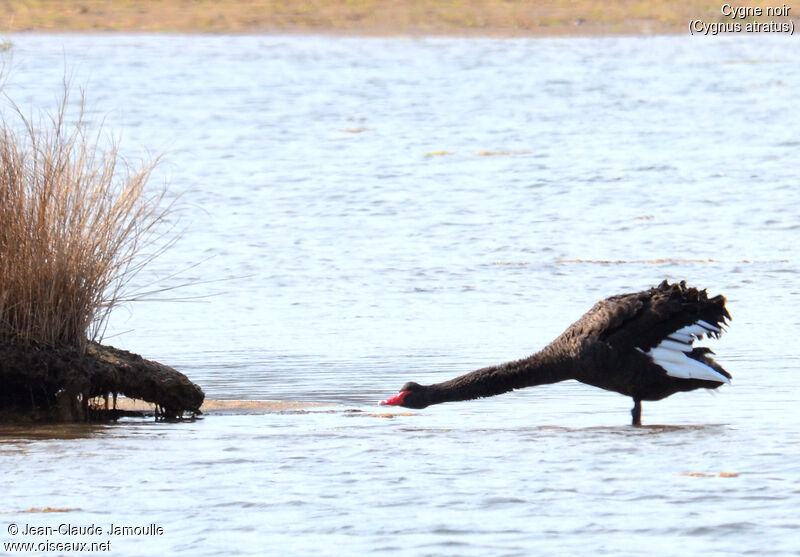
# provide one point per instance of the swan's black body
(639, 345)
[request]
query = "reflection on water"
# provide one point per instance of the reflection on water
(354, 262)
(37, 432)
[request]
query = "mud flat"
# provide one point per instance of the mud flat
(227, 406)
(369, 17)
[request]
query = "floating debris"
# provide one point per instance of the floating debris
(705, 475)
(661, 261)
(381, 415)
(665, 260)
(51, 510)
(501, 153)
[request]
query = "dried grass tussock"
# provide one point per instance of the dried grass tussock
(75, 223)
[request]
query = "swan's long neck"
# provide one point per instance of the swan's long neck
(538, 369)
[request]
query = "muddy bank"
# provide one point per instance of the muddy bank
(367, 17)
(58, 384)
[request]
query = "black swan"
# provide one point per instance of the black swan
(639, 345)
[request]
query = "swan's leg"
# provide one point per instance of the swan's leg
(636, 412)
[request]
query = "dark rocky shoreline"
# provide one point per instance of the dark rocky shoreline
(57, 384)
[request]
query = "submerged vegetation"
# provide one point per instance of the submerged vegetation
(77, 223)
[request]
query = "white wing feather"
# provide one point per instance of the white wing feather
(671, 354)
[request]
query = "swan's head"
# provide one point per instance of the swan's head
(412, 395)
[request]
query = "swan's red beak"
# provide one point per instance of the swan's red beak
(396, 400)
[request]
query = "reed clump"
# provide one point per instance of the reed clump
(77, 223)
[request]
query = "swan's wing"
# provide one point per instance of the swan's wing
(643, 320)
(672, 313)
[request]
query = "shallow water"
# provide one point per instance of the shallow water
(353, 253)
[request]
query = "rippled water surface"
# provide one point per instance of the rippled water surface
(365, 212)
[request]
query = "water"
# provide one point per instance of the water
(347, 254)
